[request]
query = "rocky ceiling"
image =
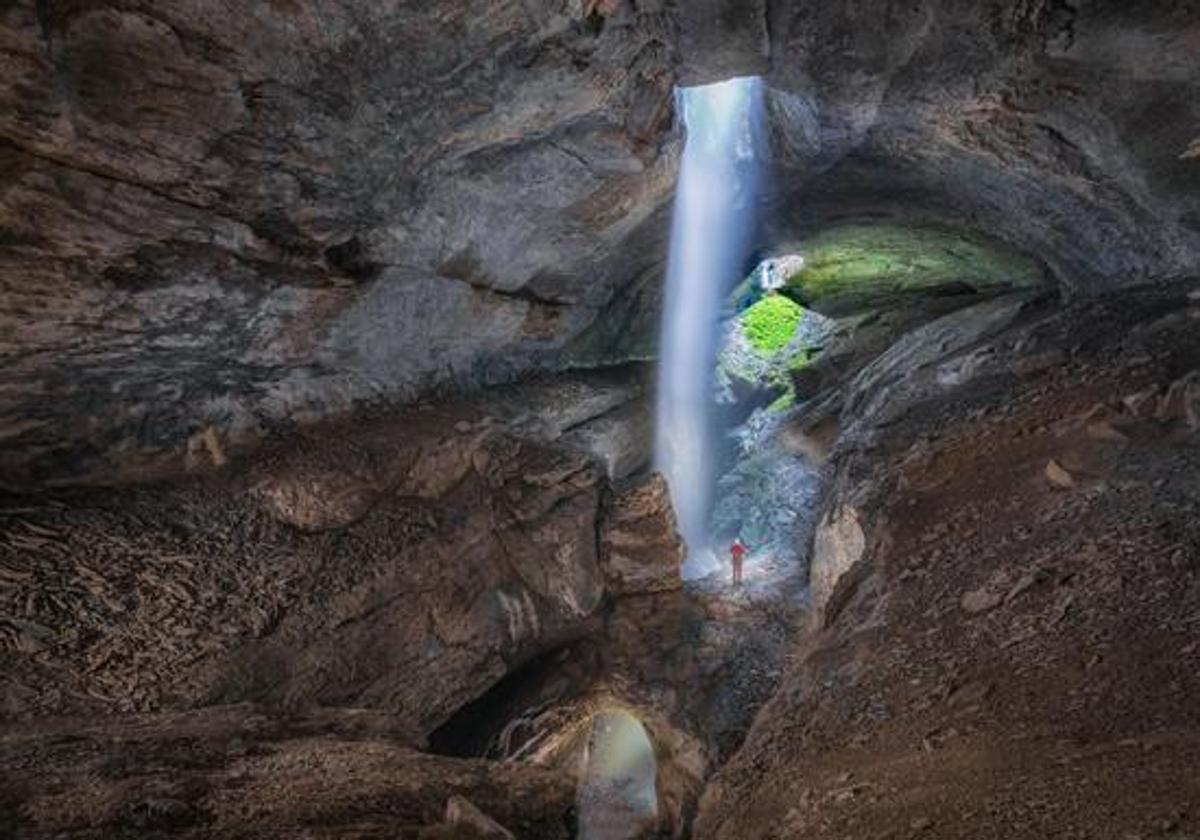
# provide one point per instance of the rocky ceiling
(231, 216)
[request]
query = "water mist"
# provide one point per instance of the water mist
(715, 221)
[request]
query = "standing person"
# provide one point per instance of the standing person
(737, 552)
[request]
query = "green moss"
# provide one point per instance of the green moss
(786, 402)
(771, 323)
(802, 359)
(860, 266)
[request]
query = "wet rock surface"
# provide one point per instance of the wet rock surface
(1008, 656)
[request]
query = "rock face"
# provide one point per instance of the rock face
(403, 563)
(1025, 121)
(240, 221)
(640, 550)
(241, 772)
(838, 546)
(1002, 640)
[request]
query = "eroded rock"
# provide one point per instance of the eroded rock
(242, 771)
(640, 550)
(838, 545)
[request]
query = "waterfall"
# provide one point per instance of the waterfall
(716, 217)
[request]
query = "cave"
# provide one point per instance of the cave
(724, 419)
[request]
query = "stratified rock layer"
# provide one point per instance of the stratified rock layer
(640, 550)
(242, 218)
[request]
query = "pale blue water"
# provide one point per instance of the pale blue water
(715, 221)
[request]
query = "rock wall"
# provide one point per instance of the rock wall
(243, 772)
(247, 218)
(243, 219)
(1012, 653)
(1064, 129)
(404, 563)
(640, 550)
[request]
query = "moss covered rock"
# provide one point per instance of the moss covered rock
(771, 323)
(858, 267)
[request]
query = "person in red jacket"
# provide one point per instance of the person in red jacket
(737, 552)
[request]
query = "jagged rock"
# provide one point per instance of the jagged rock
(246, 772)
(345, 204)
(640, 550)
(353, 203)
(982, 614)
(1180, 400)
(1060, 476)
(464, 821)
(336, 566)
(838, 545)
(318, 501)
(981, 600)
(621, 440)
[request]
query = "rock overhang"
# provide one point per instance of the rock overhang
(372, 183)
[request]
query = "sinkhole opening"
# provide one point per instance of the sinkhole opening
(747, 329)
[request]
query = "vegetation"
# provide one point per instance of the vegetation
(770, 324)
(859, 266)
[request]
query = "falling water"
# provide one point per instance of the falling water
(713, 231)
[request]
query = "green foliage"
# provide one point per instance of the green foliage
(770, 324)
(786, 402)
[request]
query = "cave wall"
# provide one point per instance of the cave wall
(214, 215)
(1065, 129)
(229, 218)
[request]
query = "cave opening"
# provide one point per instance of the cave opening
(618, 796)
(516, 714)
(339, 494)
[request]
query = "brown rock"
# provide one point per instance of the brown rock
(640, 550)
(839, 544)
(239, 771)
(1144, 404)
(317, 500)
(1059, 476)
(461, 813)
(981, 600)
(1105, 430)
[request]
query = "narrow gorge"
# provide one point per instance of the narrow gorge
(601, 419)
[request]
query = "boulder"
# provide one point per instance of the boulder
(838, 545)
